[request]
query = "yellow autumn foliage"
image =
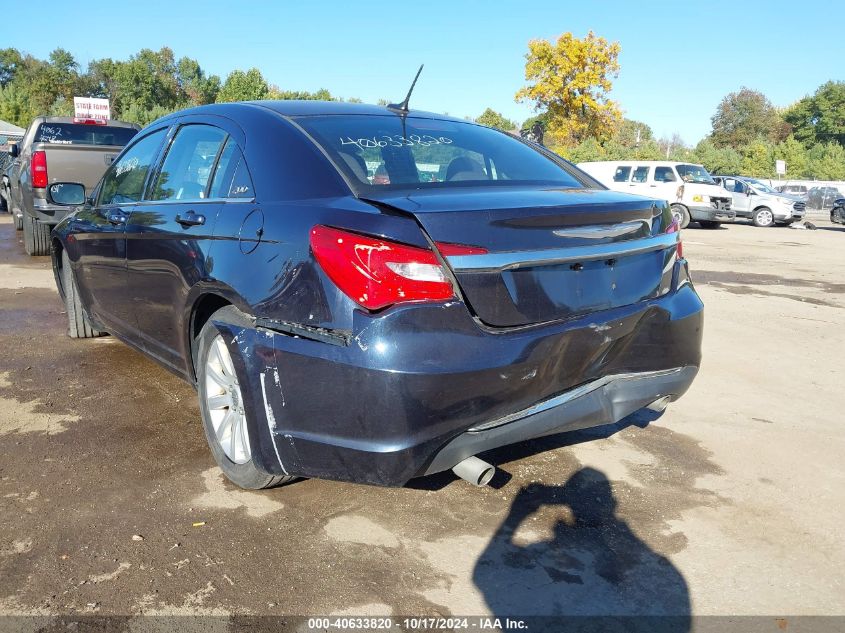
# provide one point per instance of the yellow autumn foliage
(570, 79)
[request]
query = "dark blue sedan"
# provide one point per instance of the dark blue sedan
(369, 294)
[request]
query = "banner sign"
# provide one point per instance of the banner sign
(91, 108)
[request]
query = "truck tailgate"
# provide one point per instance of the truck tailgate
(77, 163)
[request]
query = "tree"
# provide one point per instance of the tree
(195, 87)
(743, 117)
(717, 160)
(827, 161)
(758, 159)
(491, 118)
(14, 105)
(302, 95)
(632, 133)
(10, 63)
(795, 156)
(570, 80)
(820, 118)
(243, 86)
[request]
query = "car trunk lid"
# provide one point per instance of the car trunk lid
(551, 253)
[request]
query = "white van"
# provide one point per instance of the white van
(691, 191)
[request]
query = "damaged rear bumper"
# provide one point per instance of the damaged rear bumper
(417, 389)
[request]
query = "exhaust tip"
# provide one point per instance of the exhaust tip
(660, 404)
(475, 471)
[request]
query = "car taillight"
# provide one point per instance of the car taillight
(676, 228)
(38, 168)
(376, 273)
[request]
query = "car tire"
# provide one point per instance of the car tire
(223, 417)
(837, 215)
(709, 224)
(763, 217)
(79, 326)
(36, 237)
(681, 213)
(18, 221)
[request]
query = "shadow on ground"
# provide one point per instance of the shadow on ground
(593, 568)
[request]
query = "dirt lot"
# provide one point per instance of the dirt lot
(730, 503)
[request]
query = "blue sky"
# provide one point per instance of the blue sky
(678, 59)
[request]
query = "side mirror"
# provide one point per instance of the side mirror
(13, 150)
(67, 193)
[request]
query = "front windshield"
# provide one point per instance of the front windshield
(695, 173)
(391, 152)
(761, 186)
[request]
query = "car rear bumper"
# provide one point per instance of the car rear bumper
(419, 388)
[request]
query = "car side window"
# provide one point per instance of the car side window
(231, 179)
(640, 174)
(124, 181)
(664, 174)
(622, 174)
(186, 169)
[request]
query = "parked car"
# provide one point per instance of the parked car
(837, 213)
(56, 149)
(754, 199)
(798, 191)
(688, 188)
(343, 327)
(822, 197)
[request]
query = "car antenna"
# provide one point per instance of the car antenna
(403, 107)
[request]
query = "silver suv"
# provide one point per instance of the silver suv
(756, 200)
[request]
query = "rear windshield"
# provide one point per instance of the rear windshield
(389, 152)
(83, 134)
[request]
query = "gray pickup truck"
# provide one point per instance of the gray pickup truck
(58, 149)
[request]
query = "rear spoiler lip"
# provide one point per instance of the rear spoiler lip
(505, 260)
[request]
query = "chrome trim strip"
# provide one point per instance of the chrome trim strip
(570, 395)
(516, 259)
(602, 231)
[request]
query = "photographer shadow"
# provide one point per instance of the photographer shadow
(593, 571)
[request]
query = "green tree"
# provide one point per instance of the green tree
(243, 86)
(15, 106)
(743, 117)
(819, 118)
(827, 161)
(570, 80)
(10, 63)
(301, 95)
(195, 87)
(717, 160)
(494, 119)
(758, 159)
(795, 156)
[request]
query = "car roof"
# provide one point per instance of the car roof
(296, 108)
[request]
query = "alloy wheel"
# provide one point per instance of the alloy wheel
(225, 403)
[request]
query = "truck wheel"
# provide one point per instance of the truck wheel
(763, 217)
(707, 224)
(36, 237)
(18, 221)
(681, 214)
(221, 406)
(78, 324)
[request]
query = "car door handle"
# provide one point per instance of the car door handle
(116, 217)
(190, 219)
